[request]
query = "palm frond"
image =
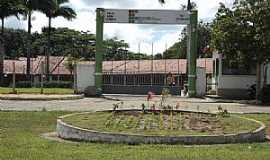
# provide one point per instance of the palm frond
(10, 8)
(62, 1)
(161, 1)
(66, 12)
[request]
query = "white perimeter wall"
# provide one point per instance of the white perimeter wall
(85, 76)
(240, 81)
(201, 82)
(236, 81)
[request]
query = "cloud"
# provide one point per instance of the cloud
(13, 22)
(160, 35)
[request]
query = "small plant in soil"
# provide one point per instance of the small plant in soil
(143, 108)
(223, 112)
(161, 121)
(150, 96)
(153, 108)
(109, 120)
(171, 115)
(180, 120)
(117, 106)
(44, 109)
(164, 96)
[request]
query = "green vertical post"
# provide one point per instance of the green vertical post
(99, 49)
(192, 53)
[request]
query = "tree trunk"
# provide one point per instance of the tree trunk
(2, 53)
(258, 83)
(265, 75)
(3, 24)
(28, 65)
(48, 50)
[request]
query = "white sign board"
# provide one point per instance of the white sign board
(146, 16)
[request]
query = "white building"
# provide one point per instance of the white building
(232, 83)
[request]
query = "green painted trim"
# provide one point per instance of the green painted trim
(192, 53)
(99, 49)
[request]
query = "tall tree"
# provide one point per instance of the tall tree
(7, 8)
(30, 7)
(179, 49)
(56, 9)
(115, 49)
(243, 32)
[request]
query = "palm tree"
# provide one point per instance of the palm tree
(30, 7)
(57, 9)
(161, 1)
(7, 8)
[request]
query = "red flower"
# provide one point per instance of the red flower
(150, 95)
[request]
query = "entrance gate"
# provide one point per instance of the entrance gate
(172, 17)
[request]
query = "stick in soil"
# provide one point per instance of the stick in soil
(171, 120)
(160, 121)
(180, 121)
(118, 122)
(137, 124)
(108, 121)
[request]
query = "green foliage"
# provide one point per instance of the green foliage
(24, 84)
(143, 108)
(179, 49)
(59, 8)
(50, 84)
(164, 96)
(10, 8)
(60, 84)
(118, 50)
(70, 63)
(59, 91)
(15, 43)
(242, 33)
(65, 42)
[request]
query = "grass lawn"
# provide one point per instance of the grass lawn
(161, 123)
(20, 140)
(37, 90)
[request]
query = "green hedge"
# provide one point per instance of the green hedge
(23, 84)
(55, 84)
(265, 94)
(51, 84)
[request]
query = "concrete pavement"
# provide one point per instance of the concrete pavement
(129, 102)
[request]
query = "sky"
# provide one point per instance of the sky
(162, 36)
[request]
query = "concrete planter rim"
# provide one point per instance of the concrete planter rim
(60, 120)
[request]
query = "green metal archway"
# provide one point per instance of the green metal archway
(173, 17)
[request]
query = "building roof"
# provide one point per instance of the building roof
(159, 66)
(130, 66)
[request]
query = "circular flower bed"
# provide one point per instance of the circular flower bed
(159, 127)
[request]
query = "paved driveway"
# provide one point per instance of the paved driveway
(94, 104)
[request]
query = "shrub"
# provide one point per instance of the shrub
(56, 84)
(50, 84)
(23, 84)
(265, 94)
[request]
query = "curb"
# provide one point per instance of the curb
(45, 98)
(69, 132)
